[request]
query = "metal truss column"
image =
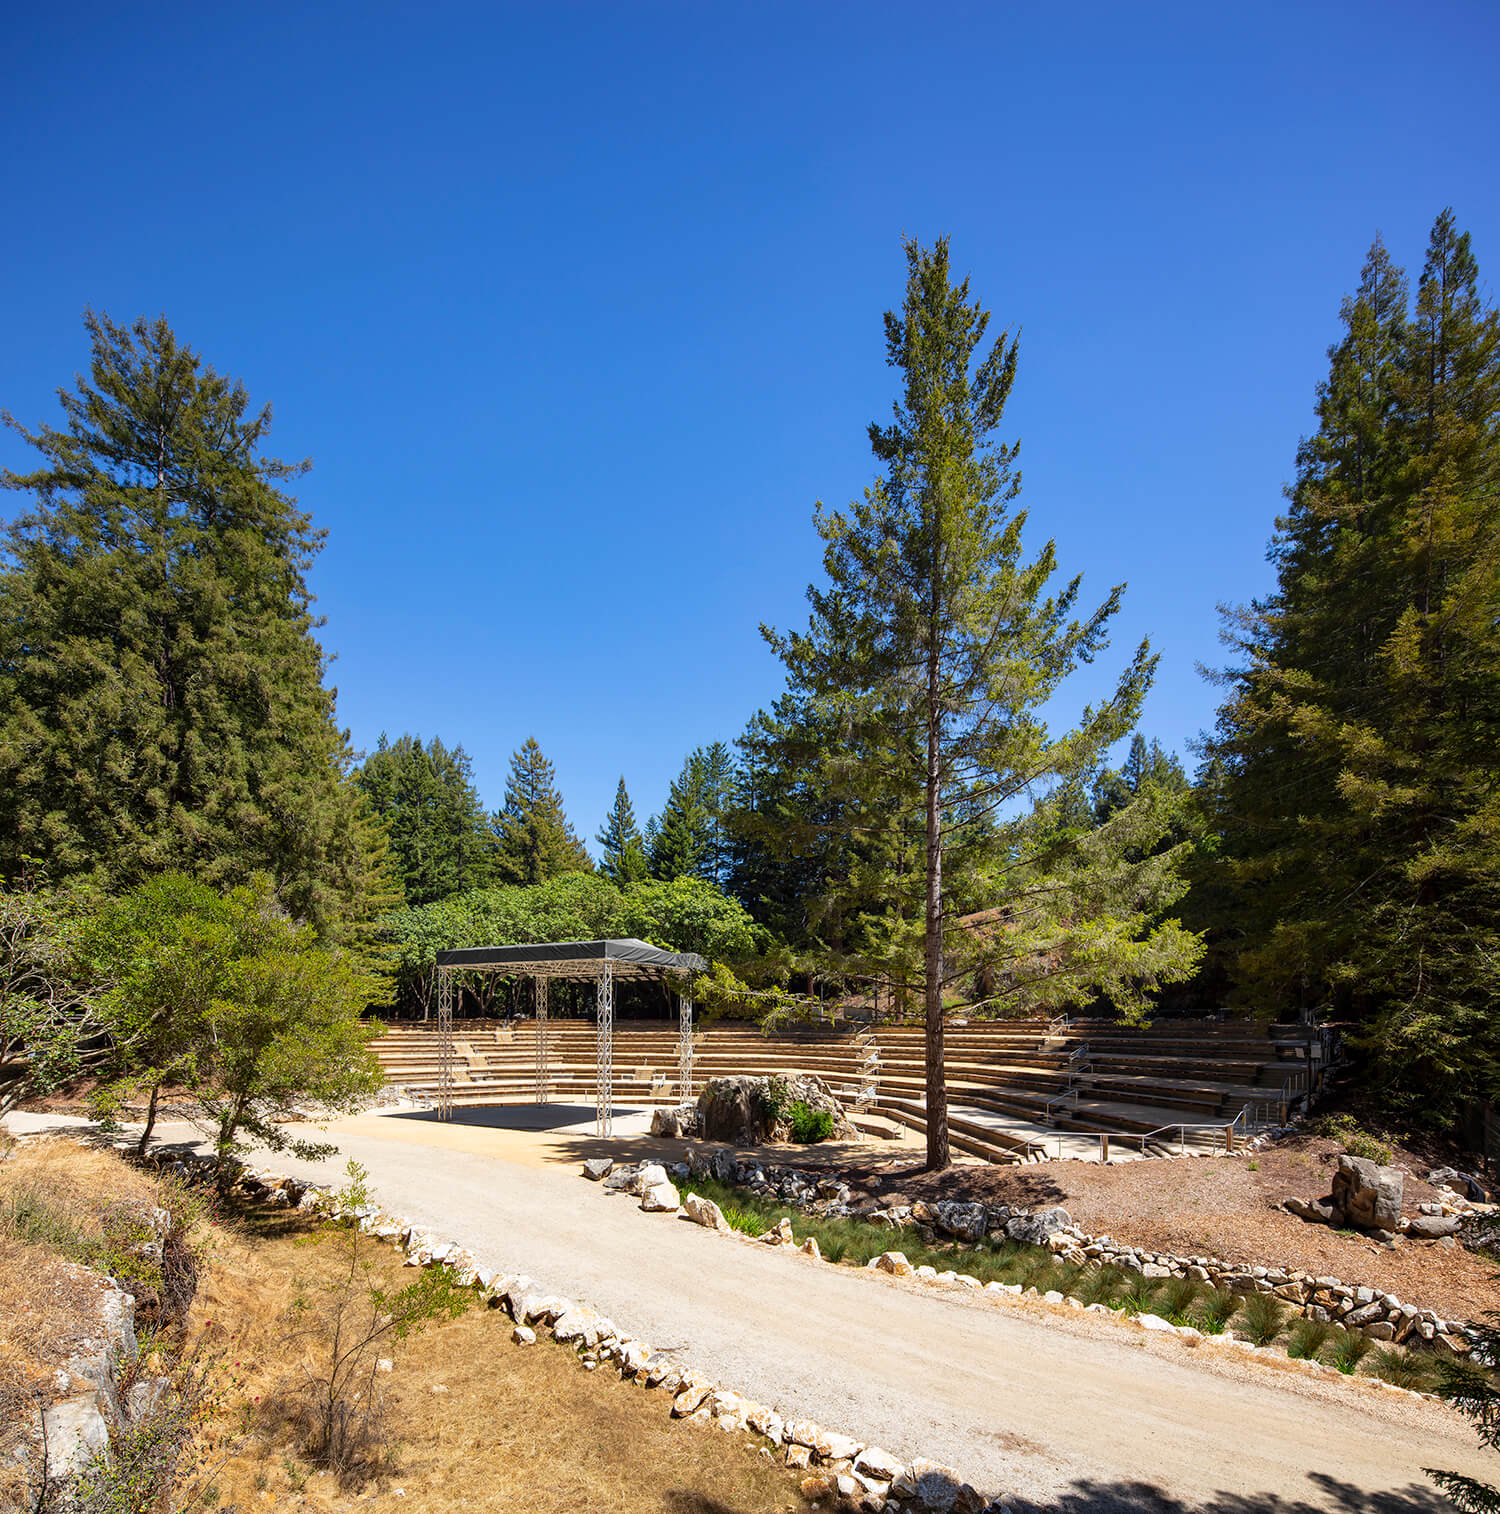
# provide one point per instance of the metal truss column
(543, 1067)
(685, 1046)
(604, 1124)
(445, 1044)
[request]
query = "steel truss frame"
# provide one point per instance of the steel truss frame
(604, 974)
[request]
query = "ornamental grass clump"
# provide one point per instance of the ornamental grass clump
(1309, 1339)
(1138, 1296)
(1261, 1318)
(1215, 1308)
(1349, 1349)
(1403, 1369)
(1176, 1300)
(1099, 1285)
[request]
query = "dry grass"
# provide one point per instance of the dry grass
(478, 1422)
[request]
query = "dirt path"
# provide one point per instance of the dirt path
(1052, 1409)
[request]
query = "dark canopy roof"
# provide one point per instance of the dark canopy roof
(575, 959)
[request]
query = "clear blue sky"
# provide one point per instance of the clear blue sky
(576, 308)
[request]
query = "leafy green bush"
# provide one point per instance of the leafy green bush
(1356, 1141)
(809, 1125)
(1261, 1317)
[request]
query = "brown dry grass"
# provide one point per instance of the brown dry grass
(478, 1422)
(48, 1305)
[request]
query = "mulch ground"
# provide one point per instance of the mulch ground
(1222, 1207)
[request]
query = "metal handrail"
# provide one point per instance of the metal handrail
(1224, 1128)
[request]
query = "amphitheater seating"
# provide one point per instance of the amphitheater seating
(1012, 1085)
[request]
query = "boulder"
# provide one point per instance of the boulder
(748, 1111)
(894, 1262)
(1432, 1227)
(1035, 1229)
(1314, 1211)
(660, 1198)
(705, 1212)
(76, 1433)
(879, 1464)
(598, 1168)
(674, 1123)
(1368, 1195)
(966, 1222)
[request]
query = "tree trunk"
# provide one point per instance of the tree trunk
(937, 1088)
(150, 1125)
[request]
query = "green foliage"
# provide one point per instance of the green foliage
(1261, 1317)
(439, 834)
(534, 841)
(1350, 1347)
(1353, 778)
(683, 915)
(1403, 1368)
(1177, 1299)
(690, 837)
(1138, 1296)
(1355, 1140)
(931, 651)
(774, 1100)
(162, 703)
(1309, 1338)
(623, 859)
(809, 1125)
(1471, 1387)
(1215, 1308)
(49, 1023)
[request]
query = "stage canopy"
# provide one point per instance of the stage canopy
(603, 961)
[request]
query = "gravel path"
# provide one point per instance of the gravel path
(1075, 1413)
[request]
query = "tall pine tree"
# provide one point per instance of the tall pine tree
(624, 852)
(931, 652)
(1356, 754)
(438, 829)
(534, 841)
(162, 703)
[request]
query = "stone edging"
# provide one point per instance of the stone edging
(1380, 1314)
(862, 1477)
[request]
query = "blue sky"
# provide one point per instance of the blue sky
(576, 308)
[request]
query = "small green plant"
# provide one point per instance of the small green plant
(1309, 1339)
(1138, 1296)
(1252, 1165)
(1215, 1308)
(1350, 1348)
(1402, 1368)
(1261, 1317)
(809, 1125)
(1177, 1298)
(1099, 1285)
(774, 1099)
(1355, 1140)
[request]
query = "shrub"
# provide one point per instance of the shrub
(1350, 1347)
(1402, 1368)
(1099, 1285)
(809, 1125)
(1309, 1338)
(1356, 1141)
(1138, 1296)
(1177, 1299)
(1261, 1317)
(1215, 1308)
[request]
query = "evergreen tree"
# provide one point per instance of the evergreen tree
(690, 838)
(438, 829)
(624, 859)
(1357, 762)
(534, 841)
(931, 652)
(162, 703)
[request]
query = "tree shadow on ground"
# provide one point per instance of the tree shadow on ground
(1330, 1496)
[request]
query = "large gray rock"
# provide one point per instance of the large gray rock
(77, 1433)
(1368, 1195)
(1034, 1229)
(1433, 1227)
(967, 1222)
(742, 1109)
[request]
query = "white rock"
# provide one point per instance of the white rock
(523, 1335)
(1155, 1322)
(76, 1433)
(660, 1198)
(894, 1262)
(702, 1211)
(879, 1464)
